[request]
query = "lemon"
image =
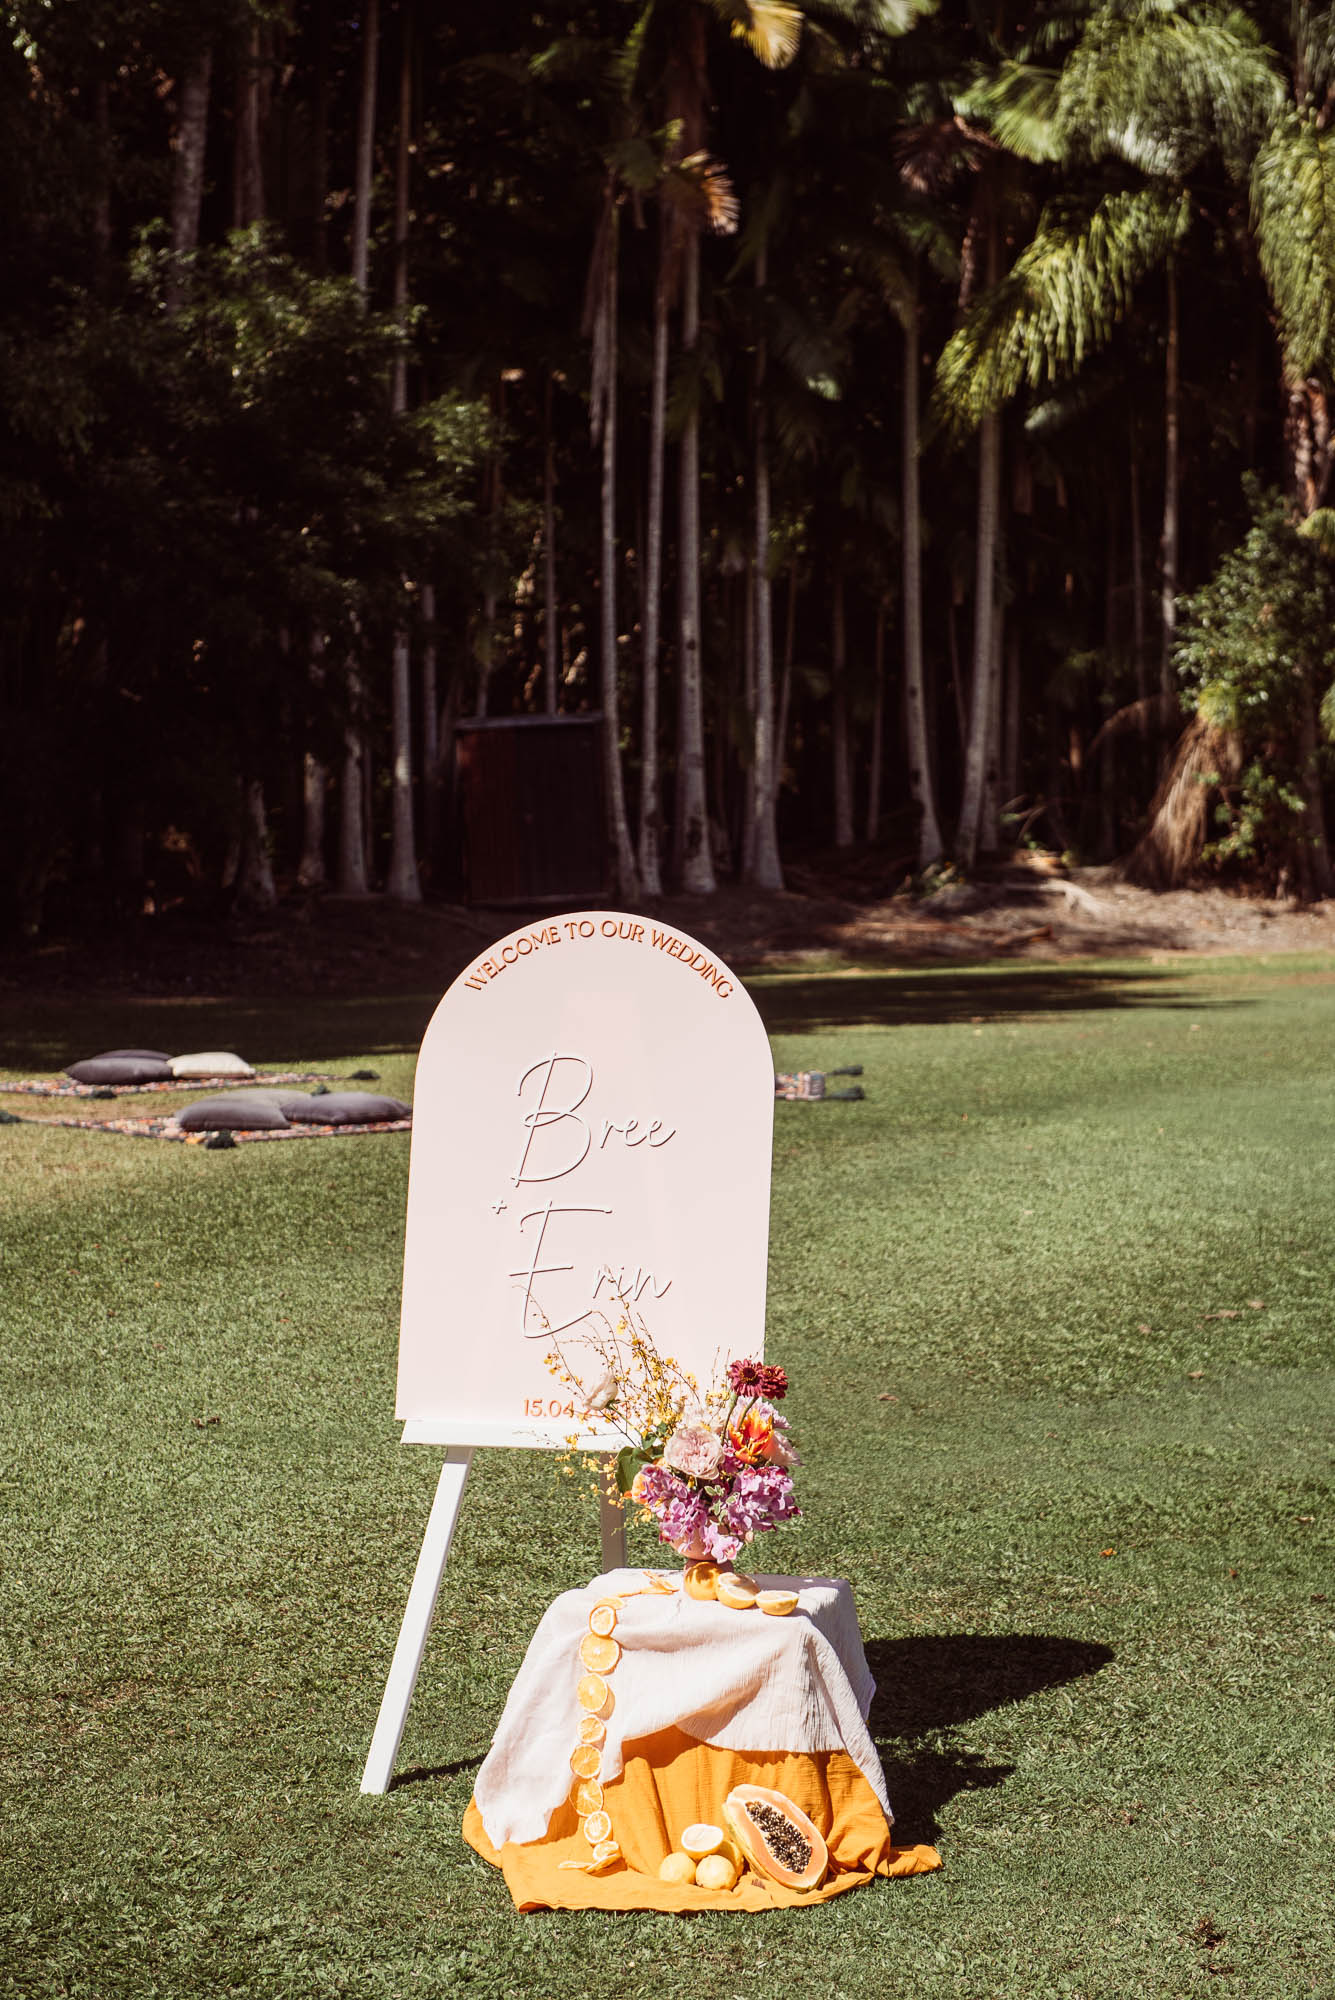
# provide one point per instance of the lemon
(591, 1730)
(594, 1694)
(586, 1761)
(737, 1592)
(603, 1618)
(778, 1603)
(715, 1872)
(597, 1827)
(588, 1797)
(702, 1839)
(676, 1868)
(598, 1653)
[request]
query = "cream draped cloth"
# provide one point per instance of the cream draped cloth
(740, 1680)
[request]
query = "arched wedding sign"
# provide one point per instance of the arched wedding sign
(592, 1129)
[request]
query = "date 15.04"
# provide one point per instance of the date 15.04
(539, 1406)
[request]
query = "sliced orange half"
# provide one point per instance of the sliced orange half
(586, 1761)
(587, 1796)
(604, 1854)
(592, 1693)
(591, 1730)
(603, 1618)
(597, 1828)
(598, 1654)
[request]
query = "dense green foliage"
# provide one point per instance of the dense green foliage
(1055, 1301)
(295, 380)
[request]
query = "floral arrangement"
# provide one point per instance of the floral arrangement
(712, 1470)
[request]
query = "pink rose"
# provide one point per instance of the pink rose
(695, 1450)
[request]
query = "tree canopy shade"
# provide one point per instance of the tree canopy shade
(309, 311)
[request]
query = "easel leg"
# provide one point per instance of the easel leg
(611, 1520)
(417, 1620)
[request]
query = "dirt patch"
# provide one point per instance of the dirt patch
(1025, 909)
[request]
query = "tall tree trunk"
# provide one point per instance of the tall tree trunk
(314, 782)
(101, 218)
(766, 869)
(255, 888)
(1010, 741)
(188, 146)
(1171, 485)
(1137, 581)
(361, 193)
(843, 769)
(494, 496)
(605, 394)
(352, 831)
(922, 790)
(403, 885)
(695, 862)
(877, 728)
(651, 809)
(989, 819)
(551, 625)
(982, 702)
(320, 142)
(355, 818)
(1314, 851)
(431, 772)
(247, 163)
(786, 683)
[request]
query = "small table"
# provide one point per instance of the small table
(699, 1699)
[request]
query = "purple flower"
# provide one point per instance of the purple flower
(761, 1497)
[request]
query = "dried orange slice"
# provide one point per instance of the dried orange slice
(591, 1730)
(603, 1618)
(587, 1796)
(593, 1693)
(597, 1828)
(605, 1852)
(598, 1654)
(586, 1761)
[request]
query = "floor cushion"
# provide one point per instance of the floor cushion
(212, 1062)
(346, 1107)
(239, 1111)
(122, 1066)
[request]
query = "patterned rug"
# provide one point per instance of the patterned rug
(45, 1086)
(167, 1128)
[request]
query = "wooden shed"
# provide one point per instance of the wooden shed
(532, 818)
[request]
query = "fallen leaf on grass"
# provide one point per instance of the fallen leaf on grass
(1107, 1552)
(1257, 1305)
(886, 1397)
(202, 1423)
(1196, 1375)
(1229, 1312)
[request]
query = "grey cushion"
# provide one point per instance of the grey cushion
(345, 1107)
(239, 1111)
(122, 1066)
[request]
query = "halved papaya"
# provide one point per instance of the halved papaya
(776, 1836)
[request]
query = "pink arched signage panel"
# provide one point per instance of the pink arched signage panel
(592, 1124)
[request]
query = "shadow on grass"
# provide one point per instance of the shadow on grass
(904, 999)
(41, 1039)
(424, 1773)
(936, 1681)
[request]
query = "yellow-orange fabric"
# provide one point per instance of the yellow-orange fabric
(671, 1780)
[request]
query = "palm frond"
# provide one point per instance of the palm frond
(1019, 105)
(1158, 87)
(1293, 215)
(771, 29)
(1060, 301)
(701, 192)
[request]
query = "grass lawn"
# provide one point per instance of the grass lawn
(1056, 1300)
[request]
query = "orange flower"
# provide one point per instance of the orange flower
(752, 1439)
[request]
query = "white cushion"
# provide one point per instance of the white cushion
(213, 1062)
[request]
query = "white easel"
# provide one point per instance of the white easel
(594, 1103)
(411, 1644)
